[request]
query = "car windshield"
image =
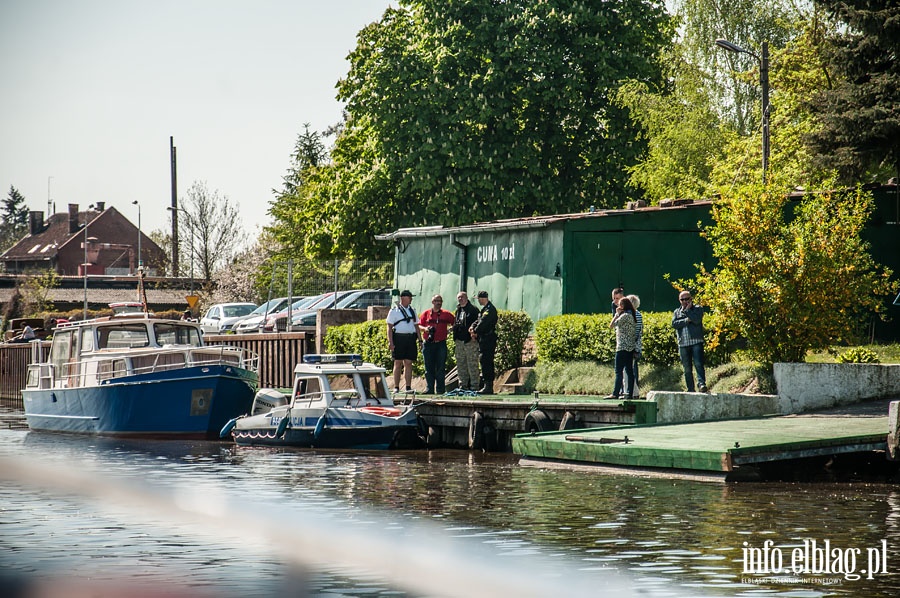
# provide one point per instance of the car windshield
(268, 306)
(236, 311)
(328, 301)
(304, 302)
(350, 298)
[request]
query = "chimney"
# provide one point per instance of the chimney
(35, 222)
(73, 218)
(101, 205)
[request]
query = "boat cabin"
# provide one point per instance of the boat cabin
(331, 381)
(95, 352)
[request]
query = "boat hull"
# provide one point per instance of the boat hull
(341, 428)
(193, 402)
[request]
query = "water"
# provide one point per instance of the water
(416, 523)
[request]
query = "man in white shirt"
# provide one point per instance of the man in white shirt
(403, 338)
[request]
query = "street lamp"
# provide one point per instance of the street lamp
(190, 222)
(140, 261)
(87, 243)
(764, 84)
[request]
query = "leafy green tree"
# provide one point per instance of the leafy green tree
(470, 111)
(14, 219)
(734, 77)
(796, 73)
(860, 133)
(684, 134)
(791, 275)
(703, 129)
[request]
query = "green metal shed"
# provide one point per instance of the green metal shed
(568, 263)
(548, 265)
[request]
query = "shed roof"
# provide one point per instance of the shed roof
(530, 222)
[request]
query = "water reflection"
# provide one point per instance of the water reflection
(674, 536)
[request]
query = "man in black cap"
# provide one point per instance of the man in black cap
(403, 338)
(484, 330)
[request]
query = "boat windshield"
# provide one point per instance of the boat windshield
(123, 336)
(341, 382)
(374, 386)
(177, 334)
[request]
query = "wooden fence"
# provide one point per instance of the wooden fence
(14, 360)
(278, 354)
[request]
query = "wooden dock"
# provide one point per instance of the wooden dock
(713, 446)
(489, 422)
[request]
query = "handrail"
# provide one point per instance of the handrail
(191, 357)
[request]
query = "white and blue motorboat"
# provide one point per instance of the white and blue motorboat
(137, 375)
(337, 401)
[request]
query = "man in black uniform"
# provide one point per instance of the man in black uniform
(484, 330)
(466, 347)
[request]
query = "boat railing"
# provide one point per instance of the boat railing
(98, 369)
(226, 354)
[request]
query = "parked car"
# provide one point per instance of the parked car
(221, 317)
(255, 320)
(281, 316)
(323, 301)
(355, 300)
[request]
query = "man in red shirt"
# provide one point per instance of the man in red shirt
(434, 323)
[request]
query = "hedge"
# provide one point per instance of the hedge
(369, 339)
(580, 337)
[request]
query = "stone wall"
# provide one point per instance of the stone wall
(802, 387)
(807, 386)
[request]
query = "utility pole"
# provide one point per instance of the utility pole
(174, 208)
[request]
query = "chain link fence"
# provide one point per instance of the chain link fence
(309, 277)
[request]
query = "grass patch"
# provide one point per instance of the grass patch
(737, 376)
(590, 378)
(886, 353)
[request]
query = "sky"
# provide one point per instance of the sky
(91, 91)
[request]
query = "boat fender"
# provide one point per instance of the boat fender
(320, 425)
(421, 426)
(570, 421)
(226, 430)
(282, 425)
(537, 421)
(476, 431)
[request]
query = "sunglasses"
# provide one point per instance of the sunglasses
(685, 299)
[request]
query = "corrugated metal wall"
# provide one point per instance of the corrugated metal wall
(515, 267)
(634, 250)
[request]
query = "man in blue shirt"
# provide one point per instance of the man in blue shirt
(688, 324)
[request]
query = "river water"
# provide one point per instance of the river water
(121, 517)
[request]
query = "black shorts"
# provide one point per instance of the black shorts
(405, 347)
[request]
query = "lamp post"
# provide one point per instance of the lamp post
(764, 84)
(191, 227)
(87, 243)
(140, 261)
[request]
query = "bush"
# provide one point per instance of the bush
(580, 337)
(575, 337)
(858, 355)
(512, 332)
(369, 339)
